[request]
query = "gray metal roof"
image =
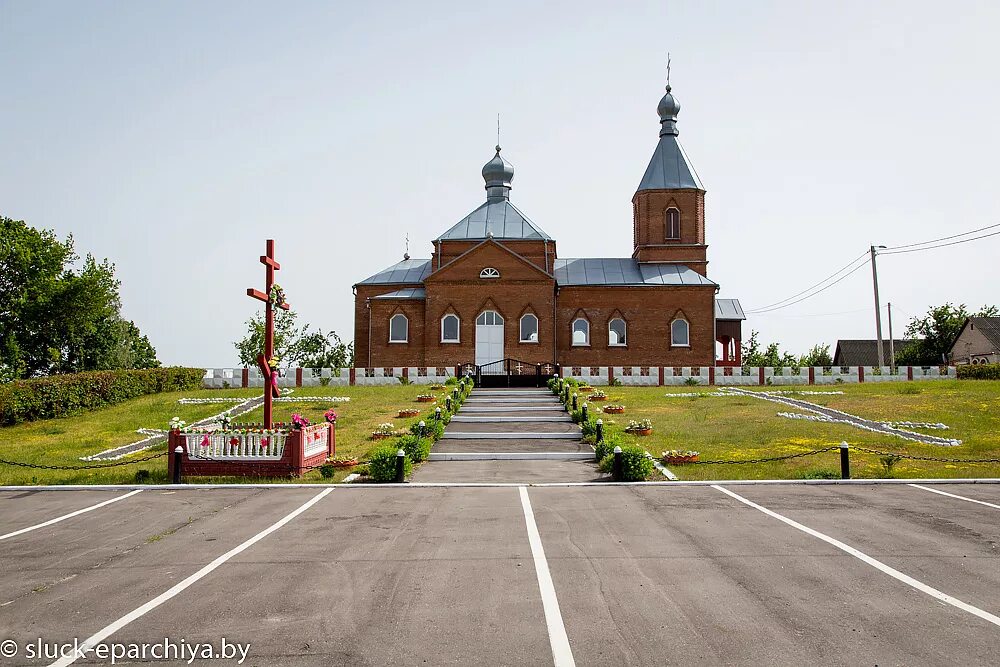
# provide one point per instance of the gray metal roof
(499, 217)
(669, 168)
(405, 293)
(409, 271)
(989, 327)
(729, 309)
(621, 271)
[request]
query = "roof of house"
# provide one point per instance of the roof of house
(407, 272)
(729, 309)
(989, 327)
(499, 219)
(864, 352)
(405, 293)
(626, 272)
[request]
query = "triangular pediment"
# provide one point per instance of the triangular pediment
(480, 263)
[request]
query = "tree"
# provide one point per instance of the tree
(771, 356)
(56, 319)
(819, 355)
(294, 346)
(935, 332)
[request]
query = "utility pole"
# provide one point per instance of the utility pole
(892, 345)
(878, 309)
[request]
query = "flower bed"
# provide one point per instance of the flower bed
(387, 430)
(641, 427)
(679, 456)
(343, 462)
(598, 396)
(426, 398)
(408, 412)
(614, 409)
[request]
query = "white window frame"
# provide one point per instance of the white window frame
(498, 319)
(458, 329)
(622, 320)
(687, 330)
(666, 224)
(572, 332)
(520, 330)
(490, 273)
(405, 319)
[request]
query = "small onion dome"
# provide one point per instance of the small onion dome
(668, 108)
(498, 172)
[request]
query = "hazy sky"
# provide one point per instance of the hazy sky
(175, 137)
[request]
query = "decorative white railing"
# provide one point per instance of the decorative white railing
(235, 446)
(315, 439)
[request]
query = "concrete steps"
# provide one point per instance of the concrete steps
(513, 418)
(467, 435)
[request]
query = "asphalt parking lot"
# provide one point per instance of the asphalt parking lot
(593, 575)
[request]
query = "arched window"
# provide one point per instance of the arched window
(616, 332)
(399, 328)
(529, 328)
(449, 328)
(673, 225)
(581, 331)
(490, 317)
(679, 334)
(489, 272)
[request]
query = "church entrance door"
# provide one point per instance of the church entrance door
(489, 337)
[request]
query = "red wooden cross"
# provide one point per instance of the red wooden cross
(264, 360)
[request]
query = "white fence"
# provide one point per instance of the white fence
(218, 378)
(230, 446)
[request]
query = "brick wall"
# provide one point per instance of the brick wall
(649, 209)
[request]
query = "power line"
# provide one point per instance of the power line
(809, 296)
(944, 238)
(941, 245)
(831, 276)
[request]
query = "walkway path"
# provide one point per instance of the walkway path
(510, 435)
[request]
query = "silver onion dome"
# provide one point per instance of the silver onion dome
(498, 173)
(668, 108)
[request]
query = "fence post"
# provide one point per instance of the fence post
(178, 458)
(845, 461)
(400, 466)
(618, 468)
(600, 430)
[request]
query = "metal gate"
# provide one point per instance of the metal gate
(514, 373)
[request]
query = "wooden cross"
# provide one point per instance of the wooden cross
(263, 360)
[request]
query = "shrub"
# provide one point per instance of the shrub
(692, 382)
(327, 470)
(64, 395)
(416, 448)
(452, 380)
(142, 476)
(433, 428)
(636, 466)
(819, 474)
(978, 372)
(607, 446)
(382, 464)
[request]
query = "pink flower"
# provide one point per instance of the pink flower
(330, 416)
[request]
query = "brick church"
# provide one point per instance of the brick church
(495, 287)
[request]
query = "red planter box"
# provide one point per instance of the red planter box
(293, 460)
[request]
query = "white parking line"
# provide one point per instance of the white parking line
(562, 655)
(878, 565)
(952, 495)
(69, 516)
(109, 630)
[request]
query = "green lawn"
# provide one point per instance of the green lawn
(63, 441)
(746, 428)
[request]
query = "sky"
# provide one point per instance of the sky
(175, 137)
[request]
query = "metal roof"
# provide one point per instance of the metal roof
(989, 327)
(669, 168)
(499, 217)
(409, 271)
(405, 293)
(729, 309)
(865, 352)
(621, 271)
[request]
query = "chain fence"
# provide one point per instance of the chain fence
(92, 466)
(813, 452)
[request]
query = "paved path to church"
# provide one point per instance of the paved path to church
(596, 575)
(510, 435)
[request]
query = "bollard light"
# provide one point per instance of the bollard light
(618, 471)
(437, 414)
(584, 408)
(178, 461)
(400, 466)
(422, 426)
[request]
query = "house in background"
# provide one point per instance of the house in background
(978, 342)
(865, 352)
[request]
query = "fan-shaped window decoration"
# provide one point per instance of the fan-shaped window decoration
(489, 272)
(399, 328)
(673, 225)
(679, 333)
(449, 328)
(581, 332)
(529, 328)
(616, 332)
(490, 317)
